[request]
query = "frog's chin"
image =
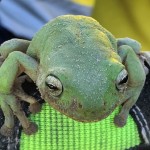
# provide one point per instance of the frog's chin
(79, 115)
(75, 115)
(87, 119)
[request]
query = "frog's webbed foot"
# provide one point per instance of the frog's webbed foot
(33, 128)
(35, 106)
(11, 105)
(144, 57)
(120, 120)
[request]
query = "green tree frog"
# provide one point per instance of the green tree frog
(79, 68)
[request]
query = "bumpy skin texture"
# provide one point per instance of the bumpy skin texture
(79, 68)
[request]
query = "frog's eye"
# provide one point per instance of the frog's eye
(122, 79)
(54, 85)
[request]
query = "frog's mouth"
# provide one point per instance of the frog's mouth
(92, 116)
(76, 113)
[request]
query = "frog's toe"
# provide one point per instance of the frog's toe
(6, 131)
(120, 121)
(35, 107)
(33, 128)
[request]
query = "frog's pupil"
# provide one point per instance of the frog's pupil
(51, 86)
(124, 80)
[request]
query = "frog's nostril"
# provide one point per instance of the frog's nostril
(80, 105)
(104, 103)
(93, 112)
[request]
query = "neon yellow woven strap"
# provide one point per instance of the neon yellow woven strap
(58, 132)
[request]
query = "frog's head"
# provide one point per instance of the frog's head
(84, 92)
(80, 73)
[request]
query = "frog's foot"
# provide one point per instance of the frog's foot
(10, 104)
(7, 128)
(120, 120)
(33, 128)
(145, 60)
(6, 131)
(35, 107)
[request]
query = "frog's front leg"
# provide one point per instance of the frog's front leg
(136, 80)
(13, 45)
(16, 63)
(7, 128)
(144, 56)
(135, 45)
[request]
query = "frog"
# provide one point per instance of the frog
(79, 68)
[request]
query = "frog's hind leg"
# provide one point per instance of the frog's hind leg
(28, 127)
(11, 106)
(35, 106)
(14, 104)
(7, 128)
(19, 45)
(16, 63)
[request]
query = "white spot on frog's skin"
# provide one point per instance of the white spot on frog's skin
(59, 46)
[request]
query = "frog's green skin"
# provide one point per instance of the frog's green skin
(84, 60)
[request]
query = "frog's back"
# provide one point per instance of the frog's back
(70, 29)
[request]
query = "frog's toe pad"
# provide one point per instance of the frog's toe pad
(35, 108)
(6, 131)
(33, 128)
(120, 121)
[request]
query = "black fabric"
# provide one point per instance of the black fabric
(144, 100)
(140, 147)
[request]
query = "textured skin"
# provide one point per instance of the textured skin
(85, 58)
